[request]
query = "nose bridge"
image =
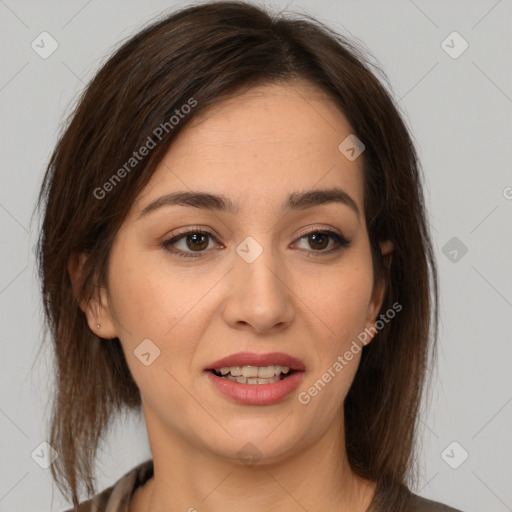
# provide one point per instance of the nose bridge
(256, 261)
(260, 296)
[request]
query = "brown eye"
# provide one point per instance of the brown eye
(191, 241)
(197, 241)
(319, 240)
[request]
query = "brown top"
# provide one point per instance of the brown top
(116, 498)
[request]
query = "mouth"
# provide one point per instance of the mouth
(248, 378)
(256, 379)
(254, 374)
(252, 368)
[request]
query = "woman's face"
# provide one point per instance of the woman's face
(254, 280)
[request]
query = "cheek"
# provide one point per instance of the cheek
(343, 308)
(342, 303)
(146, 301)
(145, 306)
(350, 304)
(170, 308)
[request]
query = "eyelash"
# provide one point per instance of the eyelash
(340, 242)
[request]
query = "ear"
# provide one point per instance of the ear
(379, 288)
(97, 309)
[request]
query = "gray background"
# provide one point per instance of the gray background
(460, 113)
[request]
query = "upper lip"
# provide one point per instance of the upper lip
(253, 359)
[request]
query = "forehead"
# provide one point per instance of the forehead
(261, 145)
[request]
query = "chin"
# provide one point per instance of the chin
(254, 446)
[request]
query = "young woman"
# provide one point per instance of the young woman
(234, 242)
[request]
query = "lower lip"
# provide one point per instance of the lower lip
(256, 394)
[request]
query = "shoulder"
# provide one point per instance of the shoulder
(397, 497)
(116, 498)
(418, 504)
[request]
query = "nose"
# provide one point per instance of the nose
(260, 298)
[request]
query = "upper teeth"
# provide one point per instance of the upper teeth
(263, 372)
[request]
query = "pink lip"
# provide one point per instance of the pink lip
(256, 394)
(253, 359)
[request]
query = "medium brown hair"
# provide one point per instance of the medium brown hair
(210, 52)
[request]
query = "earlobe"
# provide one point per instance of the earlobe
(96, 309)
(99, 316)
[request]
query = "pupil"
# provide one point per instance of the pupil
(314, 236)
(194, 244)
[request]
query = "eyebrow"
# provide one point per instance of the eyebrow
(220, 203)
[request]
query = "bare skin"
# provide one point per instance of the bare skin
(255, 149)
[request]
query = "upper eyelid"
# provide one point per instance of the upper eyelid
(200, 230)
(203, 229)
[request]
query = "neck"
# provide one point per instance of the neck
(315, 477)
